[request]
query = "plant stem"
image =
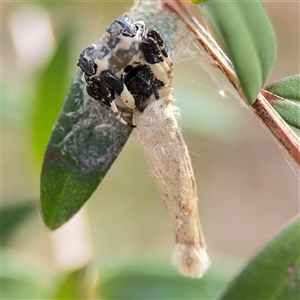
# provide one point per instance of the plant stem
(261, 108)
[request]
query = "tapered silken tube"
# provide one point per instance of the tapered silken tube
(170, 166)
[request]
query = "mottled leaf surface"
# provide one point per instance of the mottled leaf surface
(247, 38)
(273, 273)
(84, 142)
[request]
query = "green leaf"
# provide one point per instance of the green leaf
(153, 280)
(287, 87)
(24, 277)
(288, 110)
(85, 141)
(284, 96)
(12, 216)
(248, 39)
(15, 288)
(273, 273)
(52, 86)
(198, 1)
(78, 284)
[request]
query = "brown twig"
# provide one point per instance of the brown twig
(261, 107)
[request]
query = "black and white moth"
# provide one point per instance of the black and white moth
(129, 70)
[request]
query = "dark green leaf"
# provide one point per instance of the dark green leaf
(12, 216)
(52, 86)
(273, 273)
(85, 141)
(291, 288)
(248, 39)
(287, 88)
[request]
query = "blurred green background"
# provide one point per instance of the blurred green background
(247, 186)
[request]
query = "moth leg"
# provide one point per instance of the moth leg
(99, 90)
(108, 81)
(156, 35)
(118, 114)
(94, 90)
(156, 57)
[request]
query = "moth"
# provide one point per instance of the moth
(130, 71)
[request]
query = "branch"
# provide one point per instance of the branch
(261, 107)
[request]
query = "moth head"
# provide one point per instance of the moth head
(86, 60)
(123, 27)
